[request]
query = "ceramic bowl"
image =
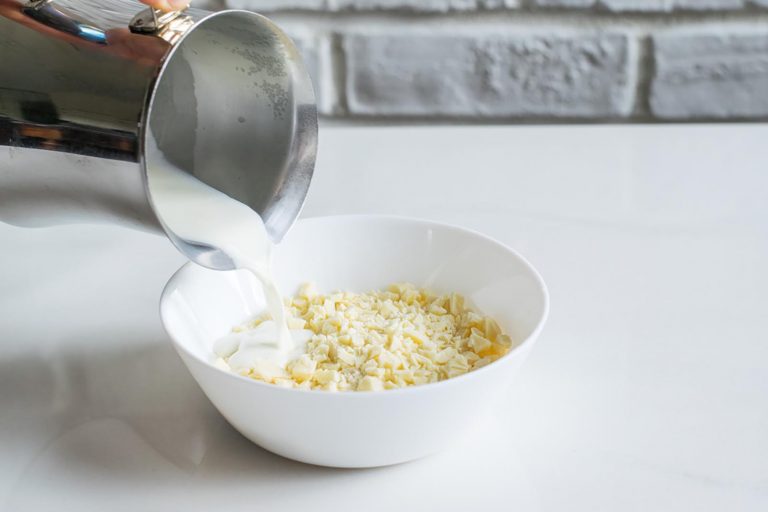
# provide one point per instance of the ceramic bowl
(359, 253)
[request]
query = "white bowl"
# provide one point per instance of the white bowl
(358, 253)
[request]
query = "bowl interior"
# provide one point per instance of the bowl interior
(360, 253)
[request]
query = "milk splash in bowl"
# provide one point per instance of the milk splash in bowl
(203, 216)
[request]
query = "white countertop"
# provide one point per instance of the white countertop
(648, 389)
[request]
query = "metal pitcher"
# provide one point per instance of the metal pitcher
(94, 94)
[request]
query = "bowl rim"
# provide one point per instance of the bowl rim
(421, 388)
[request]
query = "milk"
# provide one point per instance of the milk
(202, 215)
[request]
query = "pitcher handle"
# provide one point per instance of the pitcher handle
(167, 25)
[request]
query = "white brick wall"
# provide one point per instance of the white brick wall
(563, 3)
(633, 60)
(271, 5)
(706, 74)
(501, 76)
(414, 5)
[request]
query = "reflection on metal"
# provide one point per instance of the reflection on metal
(45, 12)
(224, 96)
(71, 139)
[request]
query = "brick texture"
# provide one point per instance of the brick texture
(636, 5)
(707, 75)
(501, 4)
(633, 60)
(578, 76)
(570, 4)
(412, 5)
(709, 5)
(274, 5)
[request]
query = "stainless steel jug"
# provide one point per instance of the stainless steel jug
(94, 94)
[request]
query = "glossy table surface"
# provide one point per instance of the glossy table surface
(648, 389)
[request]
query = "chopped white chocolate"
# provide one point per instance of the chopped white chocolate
(302, 368)
(368, 383)
(374, 341)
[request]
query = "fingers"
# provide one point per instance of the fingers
(166, 5)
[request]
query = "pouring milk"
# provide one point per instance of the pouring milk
(202, 215)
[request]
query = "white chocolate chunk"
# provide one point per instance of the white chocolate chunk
(308, 291)
(369, 383)
(479, 343)
(372, 341)
(303, 368)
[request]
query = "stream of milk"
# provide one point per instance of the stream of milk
(202, 215)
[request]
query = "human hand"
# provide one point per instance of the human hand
(167, 5)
